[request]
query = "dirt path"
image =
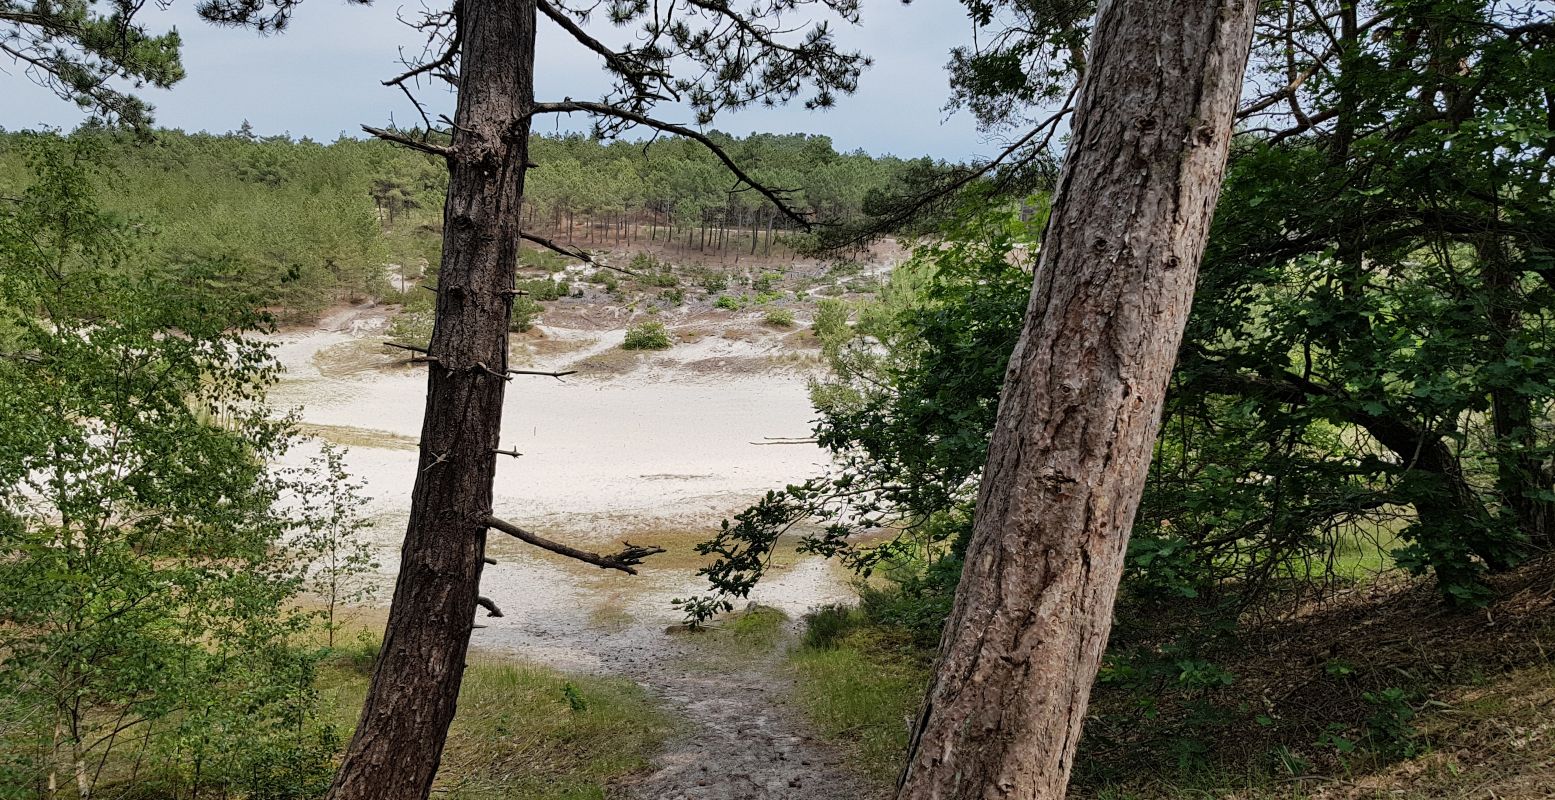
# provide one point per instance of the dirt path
(745, 743)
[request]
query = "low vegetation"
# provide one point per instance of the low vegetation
(650, 335)
(523, 732)
(1357, 697)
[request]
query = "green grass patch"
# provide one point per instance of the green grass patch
(759, 628)
(861, 688)
(523, 732)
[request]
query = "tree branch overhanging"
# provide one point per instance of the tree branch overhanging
(634, 71)
(573, 252)
(773, 196)
(406, 141)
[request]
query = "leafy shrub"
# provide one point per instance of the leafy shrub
(650, 335)
(673, 297)
(766, 280)
(713, 282)
(543, 289)
(779, 318)
(826, 626)
(645, 262)
(831, 321)
(1390, 731)
(729, 303)
(525, 311)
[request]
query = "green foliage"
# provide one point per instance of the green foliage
(712, 282)
(831, 325)
(650, 335)
(543, 290)
(825, 627)
(1390, 731)
(415, 327)
(328, 513)
(859, 690)
(150, 558)
(765, 282)
(523, 731)
(574, 698)
(779, 318)
(80, 53)
(729, 303)
(525, 311)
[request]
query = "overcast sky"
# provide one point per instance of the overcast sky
(322, 77)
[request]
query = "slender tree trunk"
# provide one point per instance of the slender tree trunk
(399, 740)
(1082, 401)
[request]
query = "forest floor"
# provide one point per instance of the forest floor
(1379, 691)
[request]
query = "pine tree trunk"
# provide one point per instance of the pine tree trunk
(1082, 401)
(399, 741)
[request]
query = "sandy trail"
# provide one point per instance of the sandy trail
(658, 454)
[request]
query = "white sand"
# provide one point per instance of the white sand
(659, 448)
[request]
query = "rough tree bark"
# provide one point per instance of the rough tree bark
(1082, 401)
(398, 745)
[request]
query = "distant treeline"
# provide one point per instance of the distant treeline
(306, 224)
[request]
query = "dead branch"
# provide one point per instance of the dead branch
(443, 60)
(510, 453)
(630, 556)
(481, 365)
(573, 252)
(406, 141)
(556, 375)
(489, 605)
(412, 348)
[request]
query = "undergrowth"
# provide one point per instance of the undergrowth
(523, 732)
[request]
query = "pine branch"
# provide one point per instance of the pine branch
(633, 71)
(607, 110)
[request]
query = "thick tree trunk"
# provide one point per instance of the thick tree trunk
(1082, 401)
(399, 740)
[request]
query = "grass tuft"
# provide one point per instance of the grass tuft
(861, 689)
(523, 732)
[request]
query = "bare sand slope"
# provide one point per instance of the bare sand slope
(655, 448)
